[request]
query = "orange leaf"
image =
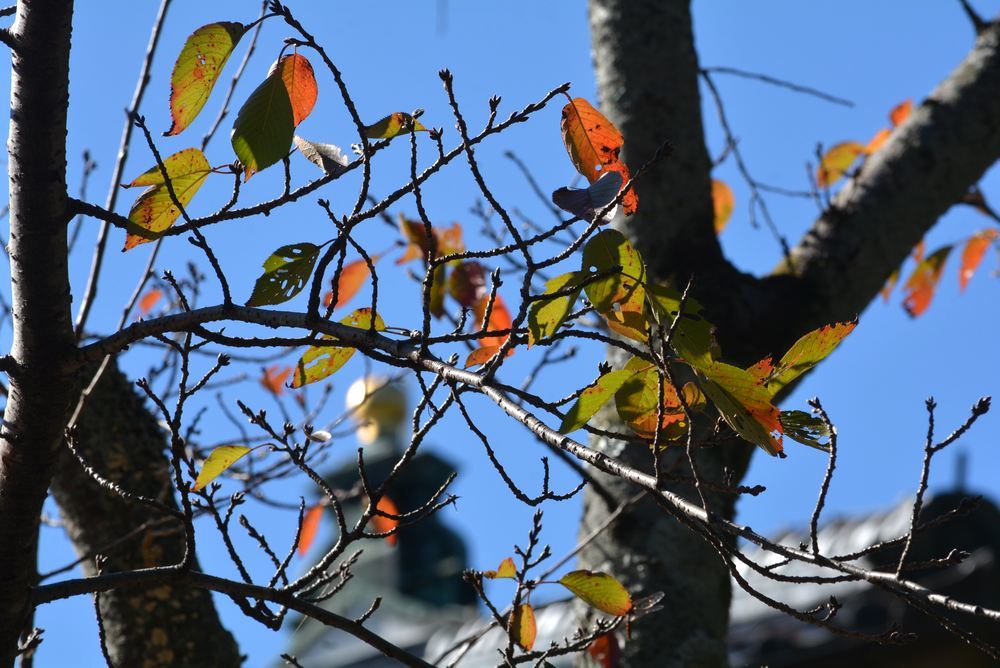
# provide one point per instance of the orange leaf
(300, 82)
(522, 627)
(352, 277)
(149, 300)
(382, 524)
(593, 143)
(890, 283)
(923, 281)
(449, 240)
(274, 378)
(876, 142)
(723, 203)
(900, 112)
(972, 254)
(606, 651)
(481, 356)
(919, 250)
(499, 320)
(310, 523)
(836, 161)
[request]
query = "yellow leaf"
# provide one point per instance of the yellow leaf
(154, 211)
(392, 125)
(599, 590)
(522, 627)
(318, 362)
(506, 569)
(836, 161)
(220, 459)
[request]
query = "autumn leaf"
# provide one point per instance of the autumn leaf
(594, 144)
(592, 398)
(149, 300)
(352, 277)
(586, 203)
(546, 315)
(605, 650)
(723, 202)
(327, 157)
(804, 354)
(467, 283)
(481, 356)
(448, 240)
(636, 402)
(890, 283)
(220, 459)
(321, 361)
(499, 320)
(383, 524)
(310, 524)
(805, 429)
(693, 339)
(610, 252)
(522, 627)
(506, 569)
(599, 590)
(286, 272)
(744, 403)
(877, 141)
(835, 162)
(274, 378)
(922, 283)
(900, 112)
(392, 125)
(197, 70)
(973, 253)
(154, 210)
(263, 131)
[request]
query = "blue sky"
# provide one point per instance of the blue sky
(874, 386)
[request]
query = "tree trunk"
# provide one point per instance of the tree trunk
(166, 625)
(647, 74)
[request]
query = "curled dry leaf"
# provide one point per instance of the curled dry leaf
(327, 157)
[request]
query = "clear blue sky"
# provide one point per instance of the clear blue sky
(875, 54)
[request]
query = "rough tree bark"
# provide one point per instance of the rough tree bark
(647, 73)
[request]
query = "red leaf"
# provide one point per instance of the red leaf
(606, 651)
(972, 254)
(300, 82)
(310, 523)
(467, 283)
(274, 378)
(923, 281)
(149, 300)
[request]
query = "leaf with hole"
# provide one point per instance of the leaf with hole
(286, 272)
(594, 144)
(805, 429)
(197, 70)
(609, 252)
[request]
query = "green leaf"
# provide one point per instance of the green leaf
(197, 70)
(220, 459)
(805, 354)
(599, 590)
(806, 429)
(744, 403)
(546, 315)
(591, 400)
(693, 340)
(263, 130)
(607, 251)
(392, 125)
(318, 362)
(285, 274)
(154, 211)
(636, 402)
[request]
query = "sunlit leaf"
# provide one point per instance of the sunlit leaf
(392, 125)
(973, 253)
(352, 277)
(693, 396)
(310, 524)
(467, 283)
(605, 650)
(383, 524)
(499, 320)
(804, 354)
(220, 459)
(546, 315)
(609, 251)
(805, 429)
(723, 202)
(693, 338)
(320, 361)
(327, 157)
(594, 144)
(274, 378)
(876, 142)
(744, 403)
(197, 70)
(149, 300)
(154, 211)
(522, 627)
(599, 590)
(922, 283)
(262, 133)
(506, 569)
(629, 318)
(900, 112)
(636, 401)
(286, 272)
(481, 356)
(836, 161)
(592, 398)
(586, 203)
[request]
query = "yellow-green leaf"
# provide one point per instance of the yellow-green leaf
(836, 161)
(693, 340)
(154, 211)
(285, 274)
(599, 590)
(392, 125)
(592, 398)
(744, 403)
(636, 401)
(220, 459)
(805, 354)
(522, 627)
(546, 315)
(197, 69)
(506, 569)
(318, 362)
(610, 251)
